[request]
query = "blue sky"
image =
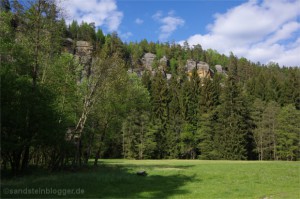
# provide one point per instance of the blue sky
(196, 15)
(260, 30)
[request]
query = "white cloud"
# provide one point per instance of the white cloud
(157, 15)
(139, 21)
(169, 24)
(126, 35)
(102, 12)
(260, 31)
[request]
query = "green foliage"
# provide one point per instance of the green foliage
(287, 133)
(28, 120)
(138, 133)
(85, 32)
(188, 142)
(206, 135)
(53, 116)
(234, 122)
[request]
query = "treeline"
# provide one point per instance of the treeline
(54, 117)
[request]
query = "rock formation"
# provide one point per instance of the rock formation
(190, 65)
(202, 68)
(83, 53)
(163, 64)
(147, 60)
(220, 70)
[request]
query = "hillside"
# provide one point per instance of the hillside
(70, 93)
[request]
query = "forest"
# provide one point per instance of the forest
(70, 93)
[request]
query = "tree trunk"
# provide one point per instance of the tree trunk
(100, 147)
(97, 156)
(25, 160)
(88, 150)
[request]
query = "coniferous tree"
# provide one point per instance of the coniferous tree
(287, 133)
(175, 119)
(159, 102)
(233, 118)
(270, 125)
(209, 101)
(206, 135)
(259, 132)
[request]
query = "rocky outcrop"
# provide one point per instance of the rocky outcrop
(163, 61)
(163, 64)
(148, 60)
(190, 65)
(220, 70)
(83, 53)
(202, 66)
(203, 69)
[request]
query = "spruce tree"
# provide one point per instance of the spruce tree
(233, 119)
(160, 111)
(210, 93)
(175, 119)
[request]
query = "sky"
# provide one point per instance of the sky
(260, 30)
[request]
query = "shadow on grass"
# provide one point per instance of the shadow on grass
(105, 181)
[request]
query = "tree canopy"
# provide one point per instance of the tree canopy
(61, 107)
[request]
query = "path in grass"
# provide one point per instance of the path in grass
(168, 179)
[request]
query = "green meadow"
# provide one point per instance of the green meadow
(165, 179)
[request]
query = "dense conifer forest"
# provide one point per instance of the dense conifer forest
(70, 93)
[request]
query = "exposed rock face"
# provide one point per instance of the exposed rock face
(190, 65)
(163, 61)
(202, 66)
(203, 69)
(83, 52)
(147, 60)
(219, 69)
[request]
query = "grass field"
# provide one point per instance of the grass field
(166, 179)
